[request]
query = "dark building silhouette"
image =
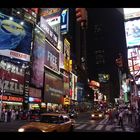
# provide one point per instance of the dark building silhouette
(105, 40)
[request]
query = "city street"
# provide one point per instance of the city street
(83, 124)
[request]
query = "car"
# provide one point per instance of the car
(49, 122)
(34, 114)
(97, 114)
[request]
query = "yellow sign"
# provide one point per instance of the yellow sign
(66, 54)
(67, 101)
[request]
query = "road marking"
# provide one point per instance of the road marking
(103, 121)
(118, 129)
(99, 127)
(108, 127)
(90, 127)
(81, 126)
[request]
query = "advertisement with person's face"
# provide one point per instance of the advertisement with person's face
(15, 35)
(38, 59)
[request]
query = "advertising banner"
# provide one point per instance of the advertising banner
(49, 12)
(13, 76)
(51, 35)
(53, 89)
(33, 92)
(66, 54)
(15, 37)
(11, 98)
(61, 60)
(64, 21)
(38, 59)
(51, 57)
(66, 83)
(73, 86)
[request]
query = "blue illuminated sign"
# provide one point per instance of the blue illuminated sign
(64, 21)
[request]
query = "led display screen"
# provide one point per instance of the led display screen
(132, 31)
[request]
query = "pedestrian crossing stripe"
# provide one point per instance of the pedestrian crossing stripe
(99, 127)
(81, 126)
(108, 127)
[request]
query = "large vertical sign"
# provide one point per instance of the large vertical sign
(73, 86)
(66, 83)
(26, 88)
(38, 59)
(15, 37)
(51, 57)
(64, 21)
(66, 54)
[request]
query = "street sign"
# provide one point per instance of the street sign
(64, 21)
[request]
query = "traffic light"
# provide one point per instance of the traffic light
(81, 16)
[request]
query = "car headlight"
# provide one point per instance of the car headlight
(92, 115)
(100, 115)
(21, 130)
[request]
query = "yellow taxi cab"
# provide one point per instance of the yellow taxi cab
(49, 122)
(97, 114)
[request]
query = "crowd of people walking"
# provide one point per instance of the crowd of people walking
(126, 115)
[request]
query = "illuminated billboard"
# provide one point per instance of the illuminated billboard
(73, 86)
(132, 31)
(38, 58)
(53, 88)
(15, 37)
(13, 77)
(134, 60)
(51, 57)
(66, 54)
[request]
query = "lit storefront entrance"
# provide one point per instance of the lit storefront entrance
(12, 102)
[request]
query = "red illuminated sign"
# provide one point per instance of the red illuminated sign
(12, 98)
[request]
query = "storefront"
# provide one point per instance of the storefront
(34, 103)
(34, 98)
(12, 102)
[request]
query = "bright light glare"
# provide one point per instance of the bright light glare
(100, 115)
(11, 18)
(22, 23)
(21, 130)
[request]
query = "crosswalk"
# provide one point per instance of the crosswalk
(103, 125)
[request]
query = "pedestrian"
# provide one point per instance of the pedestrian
(17, 115)
(110, 116)
(120, 123)
(5, 119)
(129, 116)
(9, 115)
